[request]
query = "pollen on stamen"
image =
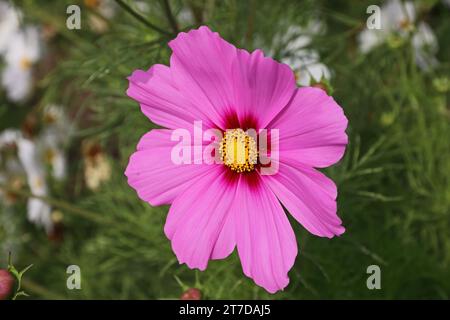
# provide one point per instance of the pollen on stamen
(238, 151)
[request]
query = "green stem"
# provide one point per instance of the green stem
(67, 207)
(250, 22)
(40, 290)
(170, 16)
(140, 18)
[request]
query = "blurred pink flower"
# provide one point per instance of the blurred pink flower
(215, 207)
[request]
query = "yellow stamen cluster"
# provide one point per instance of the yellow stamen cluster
(238, 151)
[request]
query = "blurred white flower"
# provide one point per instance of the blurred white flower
(96, 172)
(298, 37)
(398, 16)
(25, 48)
(17, 83)
(55, 133)
(22, 52)
(32, 153)
(8, 137)
(38, 211)
(425, 47)
(310, 72)
(369, 39)
(9, 24)
(54, 155)
(55, 117)
(397, 20)
(96, 165)
(296, 53)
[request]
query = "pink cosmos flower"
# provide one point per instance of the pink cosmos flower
(217, 207)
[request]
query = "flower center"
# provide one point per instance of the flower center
(238, 151)
(50, 155)
(25, 63)
(405, 24)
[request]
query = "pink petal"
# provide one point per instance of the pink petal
(160, 100)
(225, 81)
(312, 129)
(309, 196)
(226, 242)
(263, 86)
(201, 65)
(265, 240)
(152, 173)
(200, 222)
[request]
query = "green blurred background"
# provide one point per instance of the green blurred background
(394, 181)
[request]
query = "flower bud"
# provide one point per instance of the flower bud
(6, 284)
(191, 294)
